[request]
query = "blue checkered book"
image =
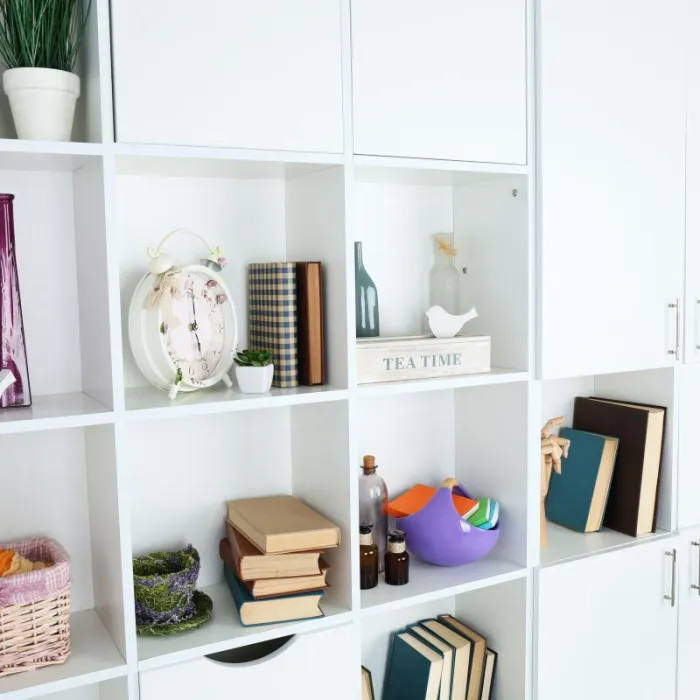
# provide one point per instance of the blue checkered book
(272, 304)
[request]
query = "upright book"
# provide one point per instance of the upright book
(413, 671)
(578, 496)
(476, 672)
(279, 524)
(444, 649)
(489, 674)
(272, 305)
(632, 503)
(310, 334)
(252, 564)
(462, 658)
(301, 606)
(367, 684)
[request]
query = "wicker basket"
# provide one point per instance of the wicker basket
(35, 609)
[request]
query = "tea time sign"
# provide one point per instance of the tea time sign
(421, 357)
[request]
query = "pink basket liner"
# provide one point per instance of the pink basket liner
(22, 589)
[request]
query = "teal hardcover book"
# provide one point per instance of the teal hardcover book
(442, 648)
(578, 496)
(414, 670)
(298, 606)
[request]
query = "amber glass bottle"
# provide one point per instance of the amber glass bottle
(396, 560)
(369, 559)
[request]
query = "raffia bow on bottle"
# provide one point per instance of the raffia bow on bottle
(445, 247)
(165, 291)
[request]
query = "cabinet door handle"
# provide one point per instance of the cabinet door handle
(677, 335)
(697, 325)
(672, 597)
(696, 586)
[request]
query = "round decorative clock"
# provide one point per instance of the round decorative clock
(182, 322)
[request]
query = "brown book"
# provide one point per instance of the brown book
(279, 524)
(476, 672)
(632, 503)
(251, 564)
(272, 587)
(310, 338)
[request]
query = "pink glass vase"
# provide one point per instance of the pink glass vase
(13, 350)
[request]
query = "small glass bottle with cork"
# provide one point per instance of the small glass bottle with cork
(396, 559)
(369, 559)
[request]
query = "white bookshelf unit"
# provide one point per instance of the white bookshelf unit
(550, 137)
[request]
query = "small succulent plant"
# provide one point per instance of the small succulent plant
(253, 358)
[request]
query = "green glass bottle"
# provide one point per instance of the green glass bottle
(366, 299)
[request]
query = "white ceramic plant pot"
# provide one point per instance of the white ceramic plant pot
(42, 101)
(255, 380)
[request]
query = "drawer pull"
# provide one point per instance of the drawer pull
(251, 652)
(696, 586)
(672, 597)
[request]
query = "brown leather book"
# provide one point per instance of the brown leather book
(633, 500)
(272, 587)
(250, 564)
(310, 332)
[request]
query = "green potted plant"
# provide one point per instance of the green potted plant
(39, 42)
(254, 370)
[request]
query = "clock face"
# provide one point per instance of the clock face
(194, 314)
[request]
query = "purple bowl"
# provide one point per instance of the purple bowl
(434, 533)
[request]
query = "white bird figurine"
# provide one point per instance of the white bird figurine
(445, 325)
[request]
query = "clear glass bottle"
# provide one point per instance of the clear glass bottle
(366, 299)
(444, 278)
(369, 559)
(396, 559)
(373, 504)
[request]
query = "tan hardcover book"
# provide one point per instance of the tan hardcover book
(271, 587)
(253, 565)
(279, 524)
(310, 338)
(476, 675)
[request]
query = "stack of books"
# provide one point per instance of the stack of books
(439, 659)
(611, 476)
(285, 301)
(273, 558)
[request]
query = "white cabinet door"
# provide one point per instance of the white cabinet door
(442, 79)
(689, 615)
(692, 240)
(605, 629)
(612, 140)
(262, 74)
(688, 455)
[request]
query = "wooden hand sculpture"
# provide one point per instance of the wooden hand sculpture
(552, 450)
